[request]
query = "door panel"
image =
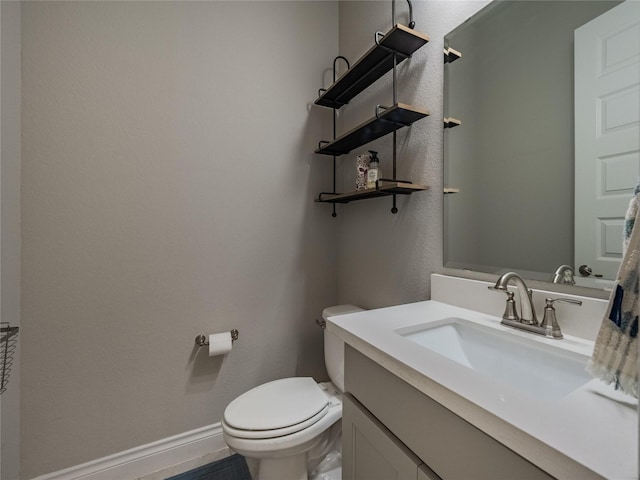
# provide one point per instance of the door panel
(607, 139)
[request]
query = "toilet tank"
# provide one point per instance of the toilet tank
(334, 346)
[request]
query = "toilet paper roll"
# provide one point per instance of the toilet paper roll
(220, 344)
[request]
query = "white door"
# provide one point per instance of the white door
(607, 138)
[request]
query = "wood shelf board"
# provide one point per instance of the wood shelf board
(451, 55)
(386, 189)
(404, 40)
(393, 118)
(452, 122)
(372, 65)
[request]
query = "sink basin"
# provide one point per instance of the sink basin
(532, 367)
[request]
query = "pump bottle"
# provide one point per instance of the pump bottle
(373, 172)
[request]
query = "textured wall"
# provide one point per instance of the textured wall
(167, 184)
(386, 259)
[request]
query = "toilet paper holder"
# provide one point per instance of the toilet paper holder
(201, 340)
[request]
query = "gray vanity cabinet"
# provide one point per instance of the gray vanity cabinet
(390, 429)
(370, 451)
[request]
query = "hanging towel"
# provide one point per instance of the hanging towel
(615, 354)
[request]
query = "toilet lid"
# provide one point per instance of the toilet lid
(276, 405)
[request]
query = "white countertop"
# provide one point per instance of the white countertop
(590, 433)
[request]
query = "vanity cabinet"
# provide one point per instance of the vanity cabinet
(384, 413)
(370, 451)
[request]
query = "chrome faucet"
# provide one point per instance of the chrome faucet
(528, 321)
(528, 316)
(564, 274)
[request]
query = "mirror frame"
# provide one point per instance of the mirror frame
(479, 275)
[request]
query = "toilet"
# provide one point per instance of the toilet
(284, 422)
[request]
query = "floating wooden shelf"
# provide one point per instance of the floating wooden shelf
(373, 65)
(385, 188)
(451, 122)
(393, 118)
(451, 55)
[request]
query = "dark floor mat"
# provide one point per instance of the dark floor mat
(230, 468)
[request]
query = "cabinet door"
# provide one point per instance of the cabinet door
(370, 451)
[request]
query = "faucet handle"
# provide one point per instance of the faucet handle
(510, 311)
(549, 322)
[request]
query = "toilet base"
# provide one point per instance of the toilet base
(293, 467)
(289, 457)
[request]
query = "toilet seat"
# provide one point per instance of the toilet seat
(277, 408)
(279, 432)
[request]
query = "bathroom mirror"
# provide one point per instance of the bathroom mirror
(513, 164)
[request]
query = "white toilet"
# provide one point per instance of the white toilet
(281, 422)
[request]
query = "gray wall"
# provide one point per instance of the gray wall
(167, 184)
(386, 259)
(10, 225)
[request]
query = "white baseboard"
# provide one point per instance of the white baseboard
(154, 460)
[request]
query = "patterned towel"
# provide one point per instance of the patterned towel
(615, 354)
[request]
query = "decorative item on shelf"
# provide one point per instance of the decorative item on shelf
(451, 55)
(362, 165)
(373, 172)
(451, 122)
